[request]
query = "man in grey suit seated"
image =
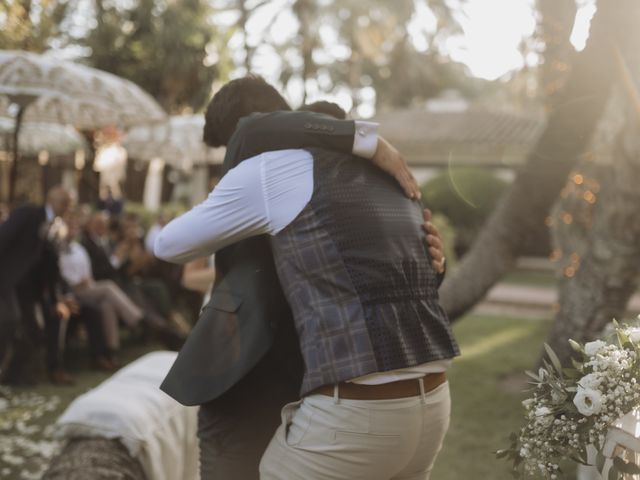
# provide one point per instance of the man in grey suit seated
(198, 233)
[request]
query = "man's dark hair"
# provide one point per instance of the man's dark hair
(328, 108)
(237, 99)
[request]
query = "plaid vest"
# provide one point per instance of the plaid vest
(356, 272)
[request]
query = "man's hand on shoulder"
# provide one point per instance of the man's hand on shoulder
(434, 242)
(391, 161)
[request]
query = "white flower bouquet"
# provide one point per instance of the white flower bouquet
(573, 408)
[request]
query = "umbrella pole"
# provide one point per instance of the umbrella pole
(13, 175)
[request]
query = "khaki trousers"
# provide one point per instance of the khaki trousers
(113, 303)
(323, 437)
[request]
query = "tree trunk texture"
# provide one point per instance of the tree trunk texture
(606, 257)
(557, 20)
(570, 126)
(95, 459)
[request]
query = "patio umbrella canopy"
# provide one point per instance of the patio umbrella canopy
(53, 90)
(47, 89)
(36, 137)
(177, 141)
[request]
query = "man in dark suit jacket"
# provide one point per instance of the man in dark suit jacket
(242, 361)
(29, 275)
(94, 240)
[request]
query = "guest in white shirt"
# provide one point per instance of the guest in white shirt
(113, 303)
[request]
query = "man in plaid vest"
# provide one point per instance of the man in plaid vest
(351, 257)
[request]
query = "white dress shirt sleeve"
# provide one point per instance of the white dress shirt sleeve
(365, 139)
(262, 195)
(75, 265)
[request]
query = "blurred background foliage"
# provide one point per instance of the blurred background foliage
(466, 197)
(378, 53)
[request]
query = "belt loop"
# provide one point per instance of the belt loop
(336, 398)
(422, 394)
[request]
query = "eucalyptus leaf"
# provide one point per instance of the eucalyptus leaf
(532, 375)
(577, 365)
(501, 453)
(554, 358)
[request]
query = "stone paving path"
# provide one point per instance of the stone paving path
(529, 302)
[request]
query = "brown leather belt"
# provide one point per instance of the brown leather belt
(384, 391)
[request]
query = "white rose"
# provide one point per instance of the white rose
(590, 382)
(588, 401)
(594, 347)
(634, 335)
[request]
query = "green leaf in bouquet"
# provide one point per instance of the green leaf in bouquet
(571, 373)
(529, 373)
(623, 338)
(600, 461)
(502, 453)
(576, 346)
(577, 365)
(626, 467)
(554, 358)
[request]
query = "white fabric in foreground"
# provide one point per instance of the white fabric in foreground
(129, 406)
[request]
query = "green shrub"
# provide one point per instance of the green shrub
(466, 196)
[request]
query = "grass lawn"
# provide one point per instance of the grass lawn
(486, 407)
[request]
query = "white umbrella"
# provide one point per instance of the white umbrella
(51, 137)
(69, 93)
(52, 90)
(177, 141)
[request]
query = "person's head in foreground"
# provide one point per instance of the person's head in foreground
(237, 99)
(327, 108)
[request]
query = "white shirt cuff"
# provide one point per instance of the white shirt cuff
(365, 139)
(116, 262)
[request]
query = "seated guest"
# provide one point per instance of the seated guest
(138, 263)
(113, 303)
(113, 258)
(91, 318)
(105, 261)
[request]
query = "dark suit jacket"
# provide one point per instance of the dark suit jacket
(22, 241)
(100, 263)
(248, 315)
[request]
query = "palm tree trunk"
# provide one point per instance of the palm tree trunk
(571, 123)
